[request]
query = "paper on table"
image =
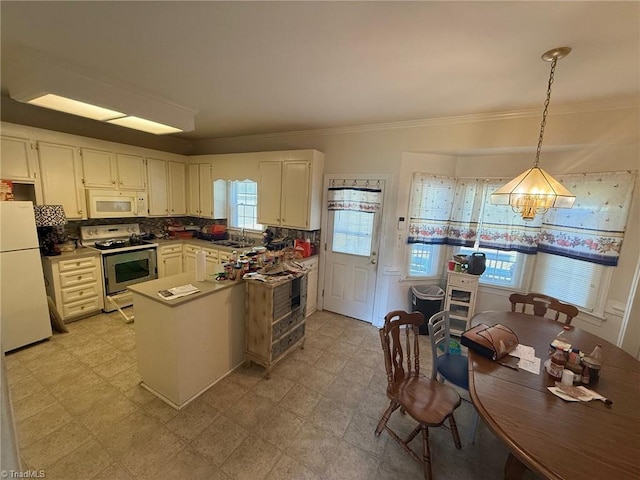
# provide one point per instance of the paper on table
(177, 292)
(524, 352)
(528, 360)
(532, 366)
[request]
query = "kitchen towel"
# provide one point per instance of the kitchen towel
(201, 266)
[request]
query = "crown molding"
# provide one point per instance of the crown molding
(617, 104)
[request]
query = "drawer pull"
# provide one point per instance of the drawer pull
(79, 277)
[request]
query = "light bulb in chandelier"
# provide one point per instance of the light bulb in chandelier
(534, 191)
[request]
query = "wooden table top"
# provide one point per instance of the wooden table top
(552, 437)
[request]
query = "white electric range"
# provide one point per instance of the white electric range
(126, 260)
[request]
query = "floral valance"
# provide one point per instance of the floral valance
(445, 210)
(355, 198)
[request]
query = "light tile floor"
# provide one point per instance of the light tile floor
(81, 414)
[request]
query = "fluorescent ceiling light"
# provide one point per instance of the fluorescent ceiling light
(144, 125)
(45, 82)
(74, 107)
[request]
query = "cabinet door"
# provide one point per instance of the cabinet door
(206, 191)
(170, 265)
(177, 189)
(62, 179)
(295, 194)
(312, 289)
(269, 192)
(158, 182)
(131, 172)
(99, 168)
(17, 161)
(193, 198)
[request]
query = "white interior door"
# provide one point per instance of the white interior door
(351, 258)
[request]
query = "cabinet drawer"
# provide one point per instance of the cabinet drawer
(211, 254)
(169, 249)
(83, 307)
(285, 343)
(463, 280)
(223, 256)
(191, 249)
(79, 277)
(81, 292)
(287, 323)
(79, 264)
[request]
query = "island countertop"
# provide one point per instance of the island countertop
(151, 288)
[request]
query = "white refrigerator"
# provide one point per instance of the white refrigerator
(24, 313)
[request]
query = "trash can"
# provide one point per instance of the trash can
(428, 301)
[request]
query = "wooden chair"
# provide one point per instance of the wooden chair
(541, 303)
(446, 366)
(428, 402)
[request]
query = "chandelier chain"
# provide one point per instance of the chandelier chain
(544, 113)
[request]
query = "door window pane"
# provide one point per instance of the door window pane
(352, 232)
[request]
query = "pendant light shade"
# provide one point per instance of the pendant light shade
(535, 191)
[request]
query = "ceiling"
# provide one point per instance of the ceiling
(270, 67)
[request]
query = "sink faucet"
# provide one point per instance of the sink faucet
(242, 237)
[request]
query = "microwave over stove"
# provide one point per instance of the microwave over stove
(116, 204)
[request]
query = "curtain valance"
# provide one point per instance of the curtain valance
(446, 210)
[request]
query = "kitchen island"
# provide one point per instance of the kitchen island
(187, 344)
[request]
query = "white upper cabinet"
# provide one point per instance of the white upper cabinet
(131, 172)
(18, 160)
(62, 178)
(158, 192)
(269, 192)
(206, 198)
(290, 190)
(166, 187)
(177, 188)
(104, 169)
(99, 168)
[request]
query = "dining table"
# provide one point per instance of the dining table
(554, 438)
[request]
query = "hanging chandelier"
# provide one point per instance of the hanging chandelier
(535, 191)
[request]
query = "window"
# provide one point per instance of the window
(504, 268)
(574, 281)
(425, 260)
(352, 232)
(243, 205)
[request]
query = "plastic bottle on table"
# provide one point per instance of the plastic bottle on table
(556, 366)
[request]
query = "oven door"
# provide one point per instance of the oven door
(127, 268)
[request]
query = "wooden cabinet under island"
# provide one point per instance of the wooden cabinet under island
(275, 319)
(187, 344)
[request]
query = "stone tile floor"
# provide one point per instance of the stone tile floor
(81, 414)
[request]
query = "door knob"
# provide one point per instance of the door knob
(374, 261)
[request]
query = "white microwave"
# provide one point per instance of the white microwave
(116, 204)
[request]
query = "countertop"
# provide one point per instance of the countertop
(151, 288)
(80, 252)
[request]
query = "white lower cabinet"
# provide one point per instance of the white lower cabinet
(169, 260)
(312, 284)
(75, 285)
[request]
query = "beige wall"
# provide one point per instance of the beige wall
(584, 139)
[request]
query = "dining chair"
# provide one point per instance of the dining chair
(541, 304)
(428, 402)
(447, 366)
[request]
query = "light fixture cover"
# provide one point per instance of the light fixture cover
(534, 182)
(35, 75)
(74, 107)
(144, 125)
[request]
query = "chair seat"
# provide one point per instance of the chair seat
(455, 369)
(428, 402)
